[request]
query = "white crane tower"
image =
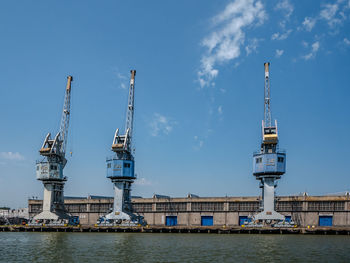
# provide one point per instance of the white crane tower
(270, 162)
(50, 169)
(120, 169)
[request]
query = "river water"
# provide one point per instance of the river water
(147, 247)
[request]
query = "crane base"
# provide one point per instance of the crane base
(269, 215)
(120, 219)
(47, 218)
(269, 223)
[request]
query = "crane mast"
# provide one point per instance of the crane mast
(50, 169)
(120, 169)
(269, 163)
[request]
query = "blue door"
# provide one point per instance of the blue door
(171, 221)
(207, 221)
(325, 220)
(288, 219)
(242, 219)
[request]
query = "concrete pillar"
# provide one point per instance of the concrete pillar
(269, 194)
(118, 196)
(48, 197)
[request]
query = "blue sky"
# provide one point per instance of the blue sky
(198, 94)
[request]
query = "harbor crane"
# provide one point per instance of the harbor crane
(120, 169)
(269, 164)
(50, 169)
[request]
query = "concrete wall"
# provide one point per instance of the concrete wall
(226, 217)
(341, 219)
(88, 218)
(232, 218)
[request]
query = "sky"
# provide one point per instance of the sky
(198, 92)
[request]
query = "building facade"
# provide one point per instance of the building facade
(212, 211)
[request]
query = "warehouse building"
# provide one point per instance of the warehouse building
(192, 210)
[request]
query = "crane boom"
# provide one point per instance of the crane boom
(65, 116)
(130, 110)
(122, 143)
(56, 148)
(267, 109)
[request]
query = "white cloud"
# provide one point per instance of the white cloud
(224, 43)
(279, 53)
(12, 156)
(314, 48)
(281, 36)
(347, 41)
(334, 14)
(285, 6)
(142, 181)
(308, 56)
(123, 79)
(199, 143)
(252, 46)
(161, 124)
(220, 110)
(309, 23)
(286, 9)
(121, 76)
(120, 80)
(328, 13)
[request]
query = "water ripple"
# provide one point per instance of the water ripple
(147, 247)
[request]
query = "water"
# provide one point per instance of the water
(147, 247)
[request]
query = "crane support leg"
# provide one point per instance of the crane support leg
(53, 205)
(269, 212)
